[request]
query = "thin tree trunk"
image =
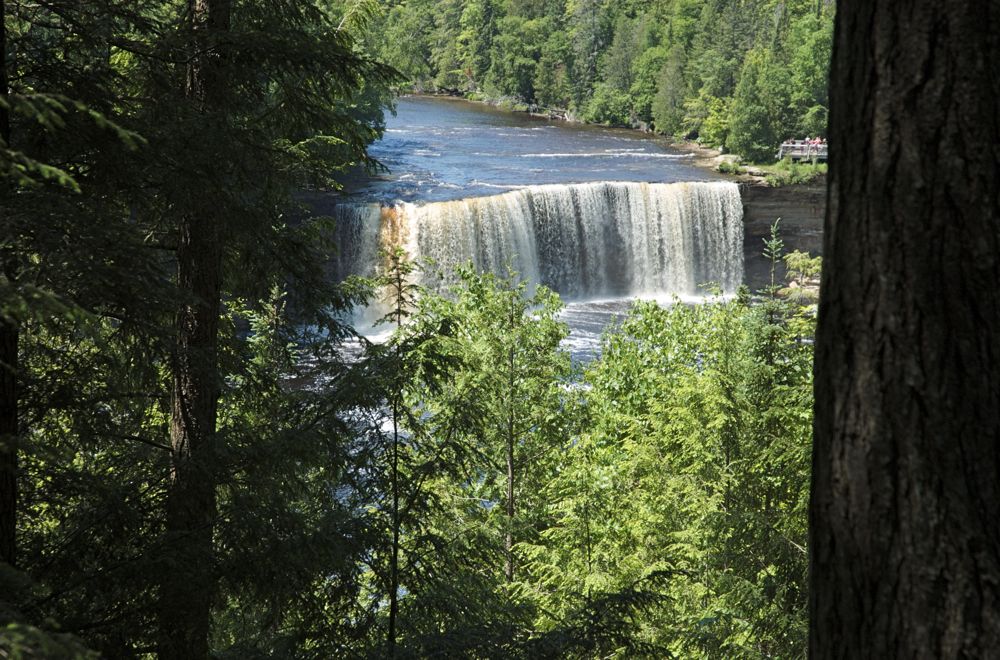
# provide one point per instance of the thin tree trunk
(9, 338)
(191, 507)
(397, 394)
(904, 533)
(186, 597)
(509, 537)
(394, 566)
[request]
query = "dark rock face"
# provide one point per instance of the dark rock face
(801, 209)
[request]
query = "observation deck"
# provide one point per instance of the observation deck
(803, 150)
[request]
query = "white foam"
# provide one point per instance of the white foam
(595, 242)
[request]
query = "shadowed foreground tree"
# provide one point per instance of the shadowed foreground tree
(187, 591)
(9, 336)
(906, 466)
(158, 278)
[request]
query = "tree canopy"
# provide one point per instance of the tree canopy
(740, 75)
(199, 457)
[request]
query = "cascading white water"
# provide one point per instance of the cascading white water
(583, 240)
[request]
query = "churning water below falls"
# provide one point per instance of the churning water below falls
(599, 244)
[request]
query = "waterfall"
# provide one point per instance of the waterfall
(583, 240)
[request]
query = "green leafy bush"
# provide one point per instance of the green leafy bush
(609, 106)
(787, 172)
(730, 167)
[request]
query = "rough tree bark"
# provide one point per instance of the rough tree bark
(188, 587)
(905, 510)
(9, 339)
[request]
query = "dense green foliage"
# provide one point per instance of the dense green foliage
(105, 150)
(654, 503)
(741, 75)
(459, 490)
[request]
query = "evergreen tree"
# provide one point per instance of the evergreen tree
(96, 234)
(480, 443)
(810, 41)
(9, 339)
(478, 27)
(189, 587)
(758, 110)
(552, 80)
(668, 105)
(700, 493)
(586, 22)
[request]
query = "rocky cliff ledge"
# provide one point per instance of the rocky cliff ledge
(801, 209)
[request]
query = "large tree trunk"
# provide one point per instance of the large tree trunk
(905, 510)
(9, 336)
(188, 589)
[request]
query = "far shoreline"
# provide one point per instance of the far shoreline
(702, 156)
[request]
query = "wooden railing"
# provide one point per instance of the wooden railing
(802, 150)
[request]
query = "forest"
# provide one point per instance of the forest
(742, 75)
(196, 462)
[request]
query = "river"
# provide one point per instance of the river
(438, 149)
(604, 216)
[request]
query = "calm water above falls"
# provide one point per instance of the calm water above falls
(440, 149)
(470, 182)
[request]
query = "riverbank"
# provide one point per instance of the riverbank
(702, 156)
(445, 149)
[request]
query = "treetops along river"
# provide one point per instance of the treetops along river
(739, 75)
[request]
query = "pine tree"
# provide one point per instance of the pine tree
(188, 588)
(101, 224)
(757, 122)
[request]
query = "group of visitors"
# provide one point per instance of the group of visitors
(811, 147)
(808, 142)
